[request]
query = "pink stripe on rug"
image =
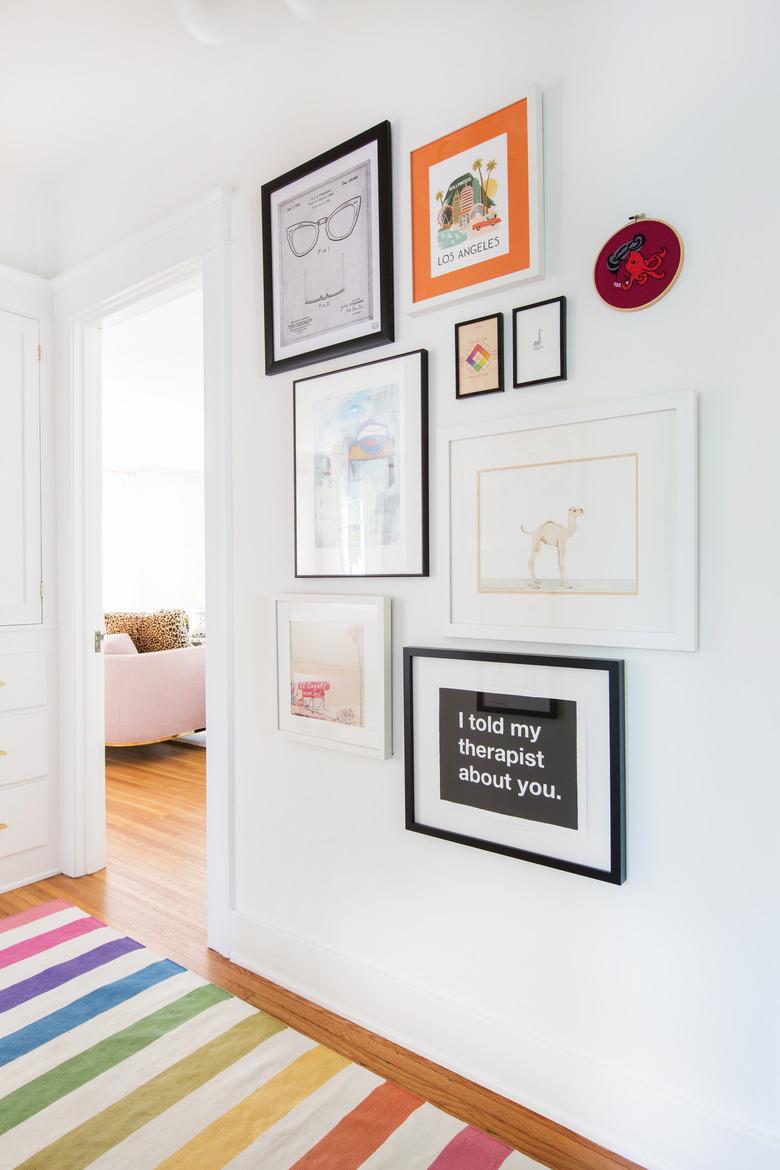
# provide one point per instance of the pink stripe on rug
(472, 1150)
(33, 914)
(42, 942)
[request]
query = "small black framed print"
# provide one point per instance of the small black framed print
(518, 754)
(479, 356)
(539, 343)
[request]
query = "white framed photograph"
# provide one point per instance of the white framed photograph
(518, 754)
(539, 343)
(575, 526)
(333, 667)
(361, 470)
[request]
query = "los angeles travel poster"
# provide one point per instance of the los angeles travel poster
(476, 206)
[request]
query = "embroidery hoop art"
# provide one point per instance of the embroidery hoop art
(633, 221)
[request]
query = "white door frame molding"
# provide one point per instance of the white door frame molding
(194, 242)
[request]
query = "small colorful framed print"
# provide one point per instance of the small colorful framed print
(477, 206)
(328, 254)
(361, 470)
(539, 343)
(333, 671)
(518, 754)
(479, 356)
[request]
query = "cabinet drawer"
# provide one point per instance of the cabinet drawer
(24, 811)
(22, 681)
(23, 746)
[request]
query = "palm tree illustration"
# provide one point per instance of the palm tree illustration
(477, 166)
(491, 166)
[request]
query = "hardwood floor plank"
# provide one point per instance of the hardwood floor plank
(154, 888)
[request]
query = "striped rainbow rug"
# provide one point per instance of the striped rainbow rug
(113, 1057)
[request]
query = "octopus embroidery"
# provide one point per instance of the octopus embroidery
(639, 268)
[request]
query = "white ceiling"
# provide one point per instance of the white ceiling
(79, 76)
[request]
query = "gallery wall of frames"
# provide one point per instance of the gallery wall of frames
(564, 525)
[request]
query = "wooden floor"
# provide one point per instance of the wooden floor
(154, 888)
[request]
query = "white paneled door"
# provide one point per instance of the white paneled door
(20, 471)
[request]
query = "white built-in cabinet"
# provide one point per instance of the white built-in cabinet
(29, 847)
(20, 470)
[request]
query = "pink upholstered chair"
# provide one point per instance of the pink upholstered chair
(152, 697)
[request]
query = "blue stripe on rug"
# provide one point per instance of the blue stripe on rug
(91, 1005)
(17, 993)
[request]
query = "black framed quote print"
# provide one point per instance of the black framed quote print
(361, 470)
(518, 754)
(328, 254)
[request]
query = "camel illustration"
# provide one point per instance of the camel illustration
(555, 534)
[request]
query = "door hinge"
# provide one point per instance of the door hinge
(40, 352)
(42, 591)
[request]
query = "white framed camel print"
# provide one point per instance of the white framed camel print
(575, 526)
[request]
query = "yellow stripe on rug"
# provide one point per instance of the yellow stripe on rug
(227, 1137)
(88, 1141)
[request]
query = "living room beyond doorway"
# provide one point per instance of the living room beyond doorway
(154, 595)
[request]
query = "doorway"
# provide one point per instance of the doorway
(89, 301)
(154, 600)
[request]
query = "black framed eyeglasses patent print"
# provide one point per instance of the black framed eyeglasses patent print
(518, 754)
(328, 254)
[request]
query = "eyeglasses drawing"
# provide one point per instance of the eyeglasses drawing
(340, 224)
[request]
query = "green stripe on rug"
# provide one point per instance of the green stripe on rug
(101, 1133)
(29, 1099)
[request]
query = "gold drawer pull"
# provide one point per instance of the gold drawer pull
(2, 753)
(2, 684)
(3, 825)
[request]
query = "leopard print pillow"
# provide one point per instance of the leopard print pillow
(167, 629)
(122, 623)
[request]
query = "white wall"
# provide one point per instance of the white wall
(153, 507)
(27, 223)
(153, 540)
(644, 1016)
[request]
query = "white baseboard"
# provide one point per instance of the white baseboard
(634, 1118)
(28, 881)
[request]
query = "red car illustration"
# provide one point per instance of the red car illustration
(491, 221)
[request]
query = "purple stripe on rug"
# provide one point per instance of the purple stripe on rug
(18, 993)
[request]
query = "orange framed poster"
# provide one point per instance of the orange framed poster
(477, 206)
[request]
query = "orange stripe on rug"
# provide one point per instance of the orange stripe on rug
(361, 1132)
